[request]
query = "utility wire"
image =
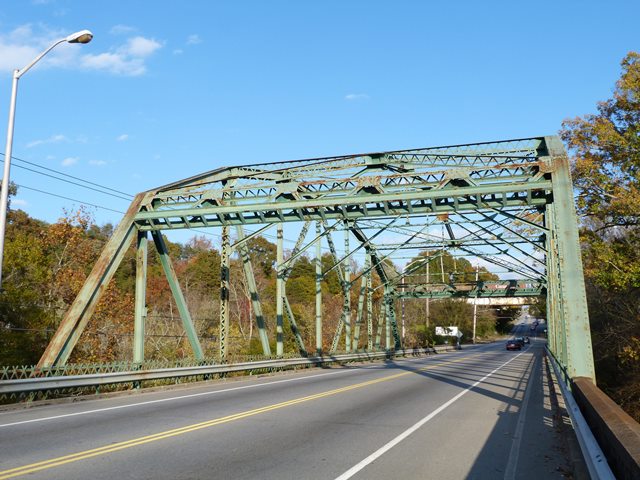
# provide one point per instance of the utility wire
(128, 195)
(74, 183)
(66, 175)
(70, 199)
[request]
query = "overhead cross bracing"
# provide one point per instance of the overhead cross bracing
(507, 204)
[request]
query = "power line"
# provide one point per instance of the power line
(272, 237)
(70, 199)
(73, 183)
(65, 175)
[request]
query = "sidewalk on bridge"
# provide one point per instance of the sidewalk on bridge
(549, 447)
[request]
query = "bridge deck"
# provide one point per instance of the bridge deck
(481, 412)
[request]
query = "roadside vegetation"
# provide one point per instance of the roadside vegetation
(605, 149)
(47, 264)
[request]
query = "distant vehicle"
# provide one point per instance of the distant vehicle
(526, 340)
(533, 327)
(520, 340)
(513, 345)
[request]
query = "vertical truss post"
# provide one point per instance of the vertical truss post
(174, 285)
(556, 329)
(381, 320)
(141, 298)
(389, 301)
(279, 293)
(78, 315)
(574, 297)
(387, 326)
(361, 297)
(347, 290)
(369, 309)
(318, 292)
(253, 292)
(225, 251)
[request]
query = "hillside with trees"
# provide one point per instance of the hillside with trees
(47, 264)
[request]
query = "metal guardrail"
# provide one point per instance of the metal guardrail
(616, 431)
(594, 458)
(35, 384)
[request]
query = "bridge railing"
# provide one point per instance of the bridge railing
(17, 389)
(609, 438)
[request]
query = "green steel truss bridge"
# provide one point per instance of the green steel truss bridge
(508, 204)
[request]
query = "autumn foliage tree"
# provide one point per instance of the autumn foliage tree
(606, 168)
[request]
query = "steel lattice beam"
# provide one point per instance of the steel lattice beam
(509, 203)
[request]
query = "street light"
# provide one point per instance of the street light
(83, 36)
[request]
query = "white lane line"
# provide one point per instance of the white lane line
(193, 395)
(514, 454)
(384, 449)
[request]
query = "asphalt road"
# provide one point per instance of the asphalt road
(481, 412)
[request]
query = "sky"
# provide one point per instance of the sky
(169, 89)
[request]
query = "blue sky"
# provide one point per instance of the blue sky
(168, 89)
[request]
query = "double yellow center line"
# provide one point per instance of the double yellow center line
(114, 447)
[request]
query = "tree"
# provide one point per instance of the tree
(606, 146)
(606, 168)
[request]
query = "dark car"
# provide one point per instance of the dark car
(526, 340)
(520, 340)
(513, 345)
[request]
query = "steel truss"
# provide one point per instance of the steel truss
(508, 203)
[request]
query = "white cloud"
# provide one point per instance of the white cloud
(52, 139)
(356, 96)
(18, 47)
(127, 59)
(114, 63)
(97, 163)
(121, 29)
(14, 56)
(123, 137)
(19, 202)
(194, 39)
(21, 45)
(178, 51)
(69, 161)
(140, 47)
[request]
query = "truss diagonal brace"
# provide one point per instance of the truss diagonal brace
(174, 285)
(253, 289)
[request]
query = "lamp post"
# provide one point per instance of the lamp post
(83, 36)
